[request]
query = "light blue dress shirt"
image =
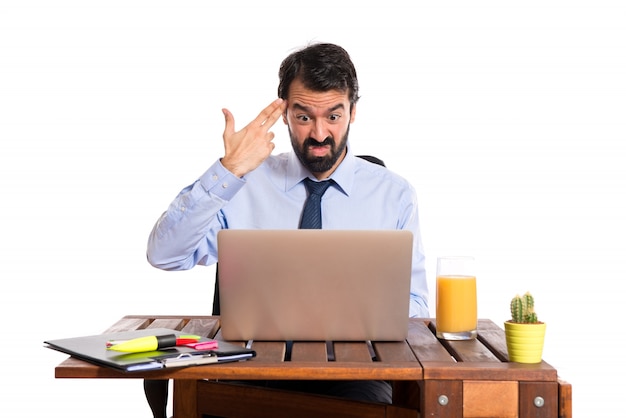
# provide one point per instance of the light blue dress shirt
(365, 196)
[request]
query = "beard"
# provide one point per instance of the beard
(319, 164)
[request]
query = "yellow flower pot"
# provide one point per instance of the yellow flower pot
(524, 342)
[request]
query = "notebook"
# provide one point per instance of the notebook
(93, 349)
(314, 285)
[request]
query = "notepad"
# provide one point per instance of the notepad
(93, 349)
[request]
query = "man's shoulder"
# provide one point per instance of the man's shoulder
(366, 168)
(278, 159)
(273, 164)
(274, 169)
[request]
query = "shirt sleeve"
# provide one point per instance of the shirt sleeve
(418, 306)
(185, 234)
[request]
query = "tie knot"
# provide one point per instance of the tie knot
(317, 187)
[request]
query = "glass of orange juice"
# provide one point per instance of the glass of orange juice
(457, 313)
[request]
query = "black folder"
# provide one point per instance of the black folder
(93, 349)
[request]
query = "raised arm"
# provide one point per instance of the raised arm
(185, 234)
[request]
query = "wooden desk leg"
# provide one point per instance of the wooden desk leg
(441, 398)
(565, 399)
(538, 399)
(185, 398)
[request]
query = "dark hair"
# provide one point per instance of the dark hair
(321, 67)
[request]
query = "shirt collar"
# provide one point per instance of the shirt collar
(343, 175)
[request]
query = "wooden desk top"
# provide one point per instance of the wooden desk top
(421, 357)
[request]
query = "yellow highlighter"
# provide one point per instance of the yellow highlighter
(151, 343)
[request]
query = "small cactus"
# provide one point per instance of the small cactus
(523, 309)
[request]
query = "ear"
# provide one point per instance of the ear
(353, 113)
(285, 117)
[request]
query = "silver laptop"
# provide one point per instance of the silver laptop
(314, 285)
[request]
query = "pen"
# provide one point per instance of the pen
(151, 343)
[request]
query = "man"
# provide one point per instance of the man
(249, 188)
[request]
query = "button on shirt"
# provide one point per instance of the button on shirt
(365, 196)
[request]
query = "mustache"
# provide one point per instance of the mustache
(310, 142)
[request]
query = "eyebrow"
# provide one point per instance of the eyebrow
(307, 109)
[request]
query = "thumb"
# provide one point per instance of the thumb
(229, 128)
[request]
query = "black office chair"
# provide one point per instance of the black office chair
(157, 390)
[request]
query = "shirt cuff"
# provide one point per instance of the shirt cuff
(220, 182)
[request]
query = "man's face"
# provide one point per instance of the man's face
(318, 124)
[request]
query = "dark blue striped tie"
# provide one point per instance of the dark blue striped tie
(312, 213)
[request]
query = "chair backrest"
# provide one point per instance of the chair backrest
(216, 293)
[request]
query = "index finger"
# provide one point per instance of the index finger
(271, 113)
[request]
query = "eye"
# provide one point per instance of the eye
(303, 118)
(334, 117)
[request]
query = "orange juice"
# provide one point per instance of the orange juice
(456, 304)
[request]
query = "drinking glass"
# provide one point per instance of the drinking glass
(456, 316)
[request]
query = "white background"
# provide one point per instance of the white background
(508, 117)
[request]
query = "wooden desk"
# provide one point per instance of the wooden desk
(438, 378)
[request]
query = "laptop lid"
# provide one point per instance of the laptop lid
(315, 285)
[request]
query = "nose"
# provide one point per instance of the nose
(319, 131)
